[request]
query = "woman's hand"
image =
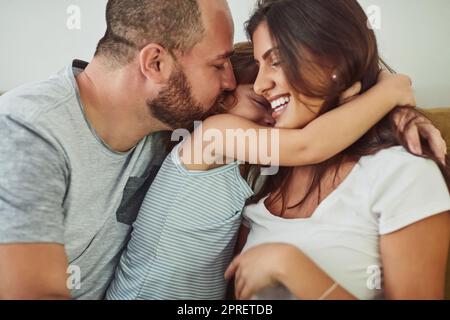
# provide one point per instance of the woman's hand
(258, 268)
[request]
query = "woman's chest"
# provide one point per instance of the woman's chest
(306, 190)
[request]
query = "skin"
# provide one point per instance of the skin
(250, 106)
(115, 105)
(414, 258)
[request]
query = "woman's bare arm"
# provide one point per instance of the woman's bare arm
(269, 264)
(415, 259)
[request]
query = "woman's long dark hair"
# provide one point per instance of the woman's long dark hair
(337, 36)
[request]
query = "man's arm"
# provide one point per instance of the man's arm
(33, 175)
(33, 272)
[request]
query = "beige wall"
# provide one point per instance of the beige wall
(414, 39)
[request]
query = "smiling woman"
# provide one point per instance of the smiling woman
(372, 205)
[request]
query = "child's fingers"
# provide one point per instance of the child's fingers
(246, 293)
(436, 142)
(239, 286)
(231, 270)
(413, 138)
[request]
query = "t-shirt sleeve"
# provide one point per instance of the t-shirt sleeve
(408, 189)
(32, 186)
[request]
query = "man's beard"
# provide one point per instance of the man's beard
(176, 107)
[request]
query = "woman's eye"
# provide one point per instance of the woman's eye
(275, 64)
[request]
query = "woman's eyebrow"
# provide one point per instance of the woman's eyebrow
(269, 52)
(266, 54)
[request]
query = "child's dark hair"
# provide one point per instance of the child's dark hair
(244, 66)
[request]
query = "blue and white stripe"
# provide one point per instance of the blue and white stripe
(184, 236)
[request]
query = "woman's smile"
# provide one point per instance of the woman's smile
(279, 104)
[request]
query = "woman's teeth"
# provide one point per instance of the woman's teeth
(280, 104)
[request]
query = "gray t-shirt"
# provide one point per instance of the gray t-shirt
(60, 183)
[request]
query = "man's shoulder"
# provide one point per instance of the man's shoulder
(34, 100)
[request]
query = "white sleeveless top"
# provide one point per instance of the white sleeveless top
(383, 194)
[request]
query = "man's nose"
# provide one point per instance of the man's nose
(228, 80)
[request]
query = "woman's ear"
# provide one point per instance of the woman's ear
(351, 93)
(155, 63)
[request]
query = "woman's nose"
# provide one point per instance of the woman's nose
(262, 84)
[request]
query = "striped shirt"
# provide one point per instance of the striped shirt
(184, 236)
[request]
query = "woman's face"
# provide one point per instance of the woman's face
(247, 104)
(290, 109)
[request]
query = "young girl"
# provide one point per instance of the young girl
(184, 236)
(372, 222)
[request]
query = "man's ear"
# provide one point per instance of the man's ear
(351, 93)
(155, 63)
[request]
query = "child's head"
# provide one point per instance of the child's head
(244, 102)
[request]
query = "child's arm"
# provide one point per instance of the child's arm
(320, 140)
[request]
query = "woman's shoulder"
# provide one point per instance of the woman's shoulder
(396, 159)
(396, 168)
(395, 152)
(398, 171)
(406, 188)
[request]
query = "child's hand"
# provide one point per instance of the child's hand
(258, 268)
(415, 127)
(398, 88)
(351, 93)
